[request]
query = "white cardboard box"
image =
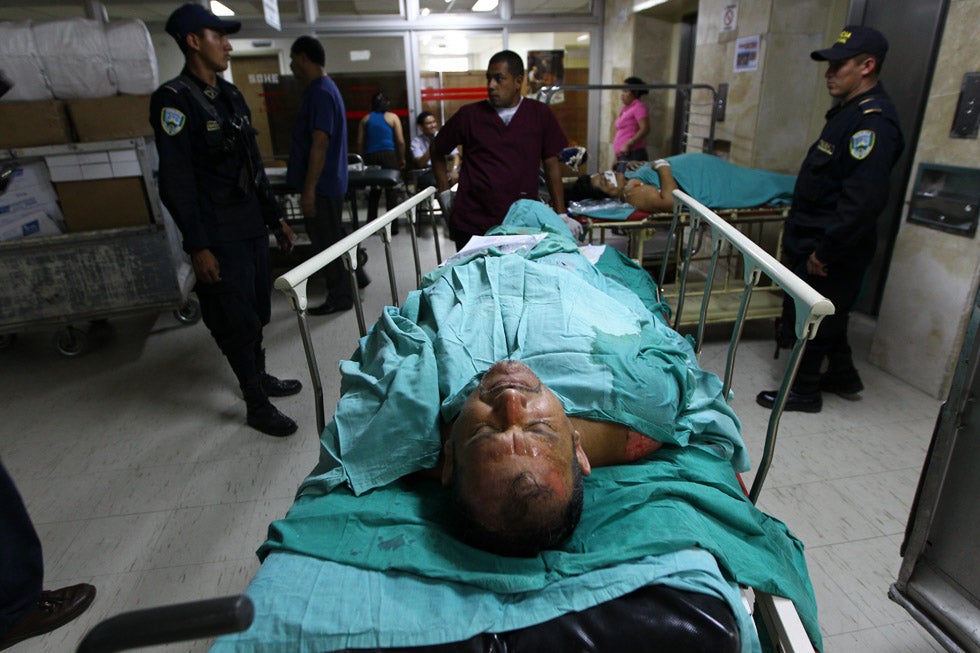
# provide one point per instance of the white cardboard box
(28, 175)
(29, 223)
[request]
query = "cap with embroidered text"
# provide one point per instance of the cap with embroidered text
(192, 18)
(854, 40)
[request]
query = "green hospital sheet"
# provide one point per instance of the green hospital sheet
(597, 344)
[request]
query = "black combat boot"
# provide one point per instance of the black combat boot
(804, 396)
(261, 414)
(272, 386)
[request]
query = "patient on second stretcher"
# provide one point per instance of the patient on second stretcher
(649, 186)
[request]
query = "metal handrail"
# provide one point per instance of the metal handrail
(811, 307)
(548, 92)
(293, 282)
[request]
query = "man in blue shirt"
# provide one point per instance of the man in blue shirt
(318, 166)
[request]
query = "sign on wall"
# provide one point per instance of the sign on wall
(271, 10)
(747, 54)
(729, 18)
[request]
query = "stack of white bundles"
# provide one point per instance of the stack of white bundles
(20, 62)
(75, 57)
(133, 56)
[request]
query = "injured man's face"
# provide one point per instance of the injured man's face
(515, 464)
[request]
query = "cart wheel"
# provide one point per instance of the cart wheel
(189, 312)
(70, 341)
(7, 339)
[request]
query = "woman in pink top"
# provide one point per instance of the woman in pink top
(632, 126)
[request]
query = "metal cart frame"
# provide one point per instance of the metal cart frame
(94, 275)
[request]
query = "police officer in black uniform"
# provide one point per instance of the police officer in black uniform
(213, 183)
(830, 235)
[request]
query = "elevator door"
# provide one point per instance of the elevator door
(914, 29)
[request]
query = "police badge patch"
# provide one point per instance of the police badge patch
(172, 121)
(862, 143)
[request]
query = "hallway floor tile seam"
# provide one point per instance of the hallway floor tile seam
(917, 469)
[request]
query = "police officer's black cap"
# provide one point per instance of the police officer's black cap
(192, 17)
(854, 40)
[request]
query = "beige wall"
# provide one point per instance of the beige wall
(775, 112)
(933, 276)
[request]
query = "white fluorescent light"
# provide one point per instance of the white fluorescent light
(484, 5)
(219, 9)
(582, 38)
(646, 4)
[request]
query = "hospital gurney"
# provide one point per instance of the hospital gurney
(811, 308)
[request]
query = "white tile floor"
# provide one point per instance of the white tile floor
(142, 478)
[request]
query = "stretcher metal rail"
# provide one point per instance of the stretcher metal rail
(293, 283)
(779, 616)
(811, 306)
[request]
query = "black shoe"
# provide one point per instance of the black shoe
(328, 307)
(265, 417)
(279, 387)
(54, 608)
(810, 402)
(846, 384)
(362, 278)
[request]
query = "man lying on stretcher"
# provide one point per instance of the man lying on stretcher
(514, 461)
(588, 341)
(607, 382)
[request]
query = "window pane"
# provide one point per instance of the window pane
(160, 11)
(524, 7)
(359, 7)
(560, 58)
(453, 68)
(480, 7)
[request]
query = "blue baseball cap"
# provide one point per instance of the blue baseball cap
(192, 18)
(854, 40)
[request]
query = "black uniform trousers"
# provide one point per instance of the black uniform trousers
(21, 563)
(841, 286)
(237, 307)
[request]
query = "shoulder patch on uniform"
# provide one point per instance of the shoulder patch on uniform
(862, 143)
(825, 147)
(172, 120)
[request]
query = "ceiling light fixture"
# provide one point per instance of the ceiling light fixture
(484, 5)
(646, 4)
(582, 38)
(219, 9)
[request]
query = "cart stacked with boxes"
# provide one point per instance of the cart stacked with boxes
(83, 236)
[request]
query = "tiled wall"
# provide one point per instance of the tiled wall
(775, 112)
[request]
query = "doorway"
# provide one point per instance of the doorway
(251, 74)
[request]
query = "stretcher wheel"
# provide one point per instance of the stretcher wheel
(7, 339)
(70, 341)
(188, 313)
